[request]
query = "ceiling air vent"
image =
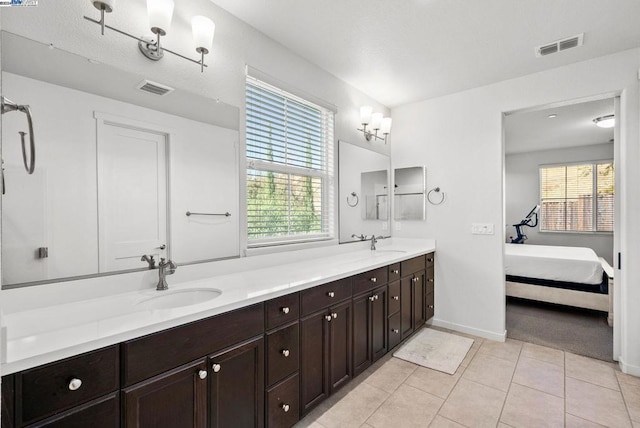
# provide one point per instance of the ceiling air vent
(154, 87)
(560, 45)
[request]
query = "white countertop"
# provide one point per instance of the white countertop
(44, 334)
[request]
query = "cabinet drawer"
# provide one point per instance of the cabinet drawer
(394, 330)
(430, 259)
(45, 390)
(101, 413)
(159, 352)
(394, 297)
(370, 280)
(323, 296)
(282, 404)
(394, 272)
(282, 310)
(429, 300)
(410, 266)
(429, 279)
(283, 353)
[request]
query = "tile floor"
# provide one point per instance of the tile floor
(510, 384)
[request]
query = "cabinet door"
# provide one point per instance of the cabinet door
(314, 370)
(406, 307)
(419, 294)
(361, 333)
(177, 398)
(340, 363)
(379, 323)
(430, 302)
(101, 413)
(237, 386)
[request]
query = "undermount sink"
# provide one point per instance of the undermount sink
(177, 298)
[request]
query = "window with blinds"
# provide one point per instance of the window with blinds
(577, 198)
(289, 150)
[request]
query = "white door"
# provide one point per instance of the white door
(132, 196)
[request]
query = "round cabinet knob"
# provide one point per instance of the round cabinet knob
(202, 374)
(334, 315)
(216, 368)
(374, 279)
(395, 271)
(331, 294)
(396, 297)
(328, 317)
(285, 407)
(285, 352)
(430, 260)
(285, 310)
(376, 296)
(75, 384)
(372, 298)
(414, 279)
(395, 330)
(430, 306)
(430, 279)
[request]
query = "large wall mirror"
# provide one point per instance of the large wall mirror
(364, 192)
(117, 169)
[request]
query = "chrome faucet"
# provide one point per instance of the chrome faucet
(374, 241)
(150, 260)
(360, 237)
(163, 272)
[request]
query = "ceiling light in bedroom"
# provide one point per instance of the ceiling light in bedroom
(607, 121)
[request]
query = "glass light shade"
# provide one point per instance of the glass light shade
(365, 114)
(376, 120)
(605, 121)
(108, 5)
(160, 13)
(203, 29)
(386, 125)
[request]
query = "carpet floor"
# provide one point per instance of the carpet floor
(580, 331)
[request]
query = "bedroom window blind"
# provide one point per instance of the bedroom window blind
(289, 151)
(577, 197)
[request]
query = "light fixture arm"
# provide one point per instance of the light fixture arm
(368, 135)
(148, 45)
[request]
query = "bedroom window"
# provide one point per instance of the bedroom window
(289, 150)
(577, 197)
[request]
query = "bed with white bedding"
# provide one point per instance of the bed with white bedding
(573, 276)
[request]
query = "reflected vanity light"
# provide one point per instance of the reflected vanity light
(160, 13)
(377, 122)
(608, 121)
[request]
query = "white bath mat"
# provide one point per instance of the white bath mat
(436, 350)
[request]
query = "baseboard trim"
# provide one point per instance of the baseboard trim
(628, 368)
(498, 337)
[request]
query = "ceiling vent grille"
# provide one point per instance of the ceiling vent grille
(154, 87)
(560, 45)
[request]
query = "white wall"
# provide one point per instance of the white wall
(459, 138)
(522, 192)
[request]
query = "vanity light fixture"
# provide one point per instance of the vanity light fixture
(160, 13)
(608, 121)
(377, 122)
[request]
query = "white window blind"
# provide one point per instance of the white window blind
(578, 198)
(289, 150)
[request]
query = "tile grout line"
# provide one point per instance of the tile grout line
(366, 421)
(564, 384)
(510, 383)
(624, 400)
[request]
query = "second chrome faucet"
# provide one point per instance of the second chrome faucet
(165, 268)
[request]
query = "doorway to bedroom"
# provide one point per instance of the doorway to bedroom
(560, 208)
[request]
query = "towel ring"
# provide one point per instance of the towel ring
(437, 190)
(350, 199)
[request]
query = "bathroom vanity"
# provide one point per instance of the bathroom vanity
(260, 359)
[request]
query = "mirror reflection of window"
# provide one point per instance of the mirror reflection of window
(409, 193)
(375, 190)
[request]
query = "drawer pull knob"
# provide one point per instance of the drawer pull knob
(395, 330)
(414, 279)
(396, 297)
(285, 352)
(75, 384)
(430, 279)
(328, 318)
(202, 374)
(372, 298)
(285, 310)
(331, 294)
(216, 368)
(430, 306)
(334, 315)
(285, 407)
(430, 260)
(374, 279)
(395, 271)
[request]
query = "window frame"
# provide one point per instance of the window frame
(594, 188)
(326, 174)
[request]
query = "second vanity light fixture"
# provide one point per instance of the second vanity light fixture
(377, 123)
(160, 13)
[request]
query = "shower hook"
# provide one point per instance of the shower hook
(7, 106)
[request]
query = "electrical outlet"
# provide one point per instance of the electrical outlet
(482, 228)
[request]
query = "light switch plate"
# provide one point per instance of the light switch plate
(482, 228)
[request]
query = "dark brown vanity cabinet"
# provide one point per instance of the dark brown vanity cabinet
(413, 294)
(369, 328)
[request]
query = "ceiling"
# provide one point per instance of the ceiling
(401, 51)
(571, 127)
